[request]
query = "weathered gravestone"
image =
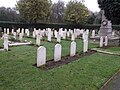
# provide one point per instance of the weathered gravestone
(20, 36)
(106, 27)
(106, 41)
(6, 43)
(38, 39)
(101, 42)
(73, 49)
(58, 38)
(41, 56)
(85, 41)
(57, 52)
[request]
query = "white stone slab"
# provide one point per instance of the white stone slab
(14, 35)
(20, 44)
(49, 36)
(57, 52)
(85, 42)
(41, 56)
(58, 38)
(93, 34)
(6, 43)
(20, 36)
(73, 49)
(73, 37)
(101, 42)
(106, 41)
(8, 31)
(38, 39)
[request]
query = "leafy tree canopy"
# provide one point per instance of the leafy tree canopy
(76, 12)
(34, 10)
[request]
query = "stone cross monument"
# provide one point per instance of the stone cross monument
(106, 27)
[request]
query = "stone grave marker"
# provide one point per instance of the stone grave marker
(38, 39)
(6, 43)
(106, 41)
(57, 52)
(73, 48)
(85, 41)
(73, 37)
(41, 56)
(93, 34)
(58, 38)
(20, 36)
(101, 41)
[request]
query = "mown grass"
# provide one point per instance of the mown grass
(88, 73)
(111, 49)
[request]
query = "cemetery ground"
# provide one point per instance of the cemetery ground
(86, 73)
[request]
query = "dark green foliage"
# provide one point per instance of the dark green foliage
(34, 10)
(9, 14)
(76, 12)
(112, 9)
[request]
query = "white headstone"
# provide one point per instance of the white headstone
(58, 37)
(73, 37)
(8, 31)
(34, 34)
(6, 43)
(113, 33)
(12, 31)
(55, 33)
(14, 35)
(106, 41)
(38, 39)
(20, 36)
(68, 34)
(85, 41)
(57, 52)
(5, 30)
(49, 36)
(41, 56)
(64, 34)
(101, 42)
(93, 34)
(18, 31)
(73, 49)
(28, 33)
(22, 31)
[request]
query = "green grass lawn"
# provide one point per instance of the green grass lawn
(115, 50)
(87, 73)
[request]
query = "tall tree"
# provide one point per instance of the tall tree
(34, 10)
(9, 14)
(57, 12)
(76, 12)
(112, 9)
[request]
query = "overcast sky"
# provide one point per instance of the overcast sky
(91, 4)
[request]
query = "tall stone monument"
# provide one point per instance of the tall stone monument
(106, 27)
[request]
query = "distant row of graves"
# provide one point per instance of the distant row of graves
(48, 33)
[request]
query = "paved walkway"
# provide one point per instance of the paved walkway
(113, 83)
(106, 52)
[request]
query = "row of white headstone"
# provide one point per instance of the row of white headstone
(41, 52)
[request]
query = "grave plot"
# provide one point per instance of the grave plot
(88, 72)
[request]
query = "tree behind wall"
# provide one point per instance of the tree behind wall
(9, 14)
(57, 12)
(34, 11)
(76, 12)
(112, 9)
